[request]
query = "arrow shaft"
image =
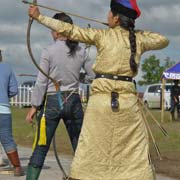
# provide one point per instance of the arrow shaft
(60, 11)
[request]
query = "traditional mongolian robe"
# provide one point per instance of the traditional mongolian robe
(112, 145)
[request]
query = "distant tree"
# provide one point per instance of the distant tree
(152, 70)
(168, 63)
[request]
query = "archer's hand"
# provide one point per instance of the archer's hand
(30, 115)
(34, 12)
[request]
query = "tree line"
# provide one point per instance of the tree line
(153, 68)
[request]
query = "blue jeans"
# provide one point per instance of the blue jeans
(6, 137)
(72, 114)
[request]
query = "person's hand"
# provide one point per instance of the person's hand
(175, 99)
(34, 12)
(30, 115)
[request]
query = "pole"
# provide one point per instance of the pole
(162, 100)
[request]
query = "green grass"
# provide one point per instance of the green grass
(170, 143)
(24, 132)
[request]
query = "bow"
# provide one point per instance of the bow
(56, 84)
(68, 13)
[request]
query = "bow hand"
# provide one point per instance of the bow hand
(34, 12)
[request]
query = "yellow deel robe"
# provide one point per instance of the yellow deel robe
(112, 145)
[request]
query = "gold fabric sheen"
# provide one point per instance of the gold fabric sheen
(112, 145)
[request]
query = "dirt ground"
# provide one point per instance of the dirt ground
(169, 165)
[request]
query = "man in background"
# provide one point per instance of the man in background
(175, 94)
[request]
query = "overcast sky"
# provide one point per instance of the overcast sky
(157, 15)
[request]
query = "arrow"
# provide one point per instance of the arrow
(71, 14)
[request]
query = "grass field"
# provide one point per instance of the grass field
(169, 146)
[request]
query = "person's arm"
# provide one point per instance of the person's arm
(71, 31)
(40, 87)
(151, 41)
(42, 81)
(13, 85)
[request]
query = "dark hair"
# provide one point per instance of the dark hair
(129, 24)
(72, 45)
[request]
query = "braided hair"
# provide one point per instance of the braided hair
(72, 45)
(129, 24)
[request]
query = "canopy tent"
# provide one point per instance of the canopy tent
(173, 73)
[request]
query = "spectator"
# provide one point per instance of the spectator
(8, 89)
(175, 95)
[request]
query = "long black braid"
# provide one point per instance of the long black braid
(72, 45)
(129, 24)
(132, 38)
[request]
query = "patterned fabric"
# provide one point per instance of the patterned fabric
(112, 44)
(112, 145)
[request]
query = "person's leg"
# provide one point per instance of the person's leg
(172, 110)
(2, 161)
(8, 143)
(178, 111)
(52, 116)
(73, 119)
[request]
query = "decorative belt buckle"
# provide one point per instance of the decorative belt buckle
(114, 101)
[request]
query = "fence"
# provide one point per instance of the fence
(23, 99)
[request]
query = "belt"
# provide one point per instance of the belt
(66, 93)
(63, 93)
(114, 77)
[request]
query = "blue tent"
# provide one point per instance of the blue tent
(172, 73)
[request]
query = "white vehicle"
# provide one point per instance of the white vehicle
(152, 96)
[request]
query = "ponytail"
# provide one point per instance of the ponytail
(72, 45)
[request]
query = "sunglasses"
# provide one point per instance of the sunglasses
(114, 101)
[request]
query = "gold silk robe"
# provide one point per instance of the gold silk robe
(112, 145)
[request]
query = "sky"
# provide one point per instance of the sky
(161, 16)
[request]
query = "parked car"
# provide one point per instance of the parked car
(152, 96)
(29, 85)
